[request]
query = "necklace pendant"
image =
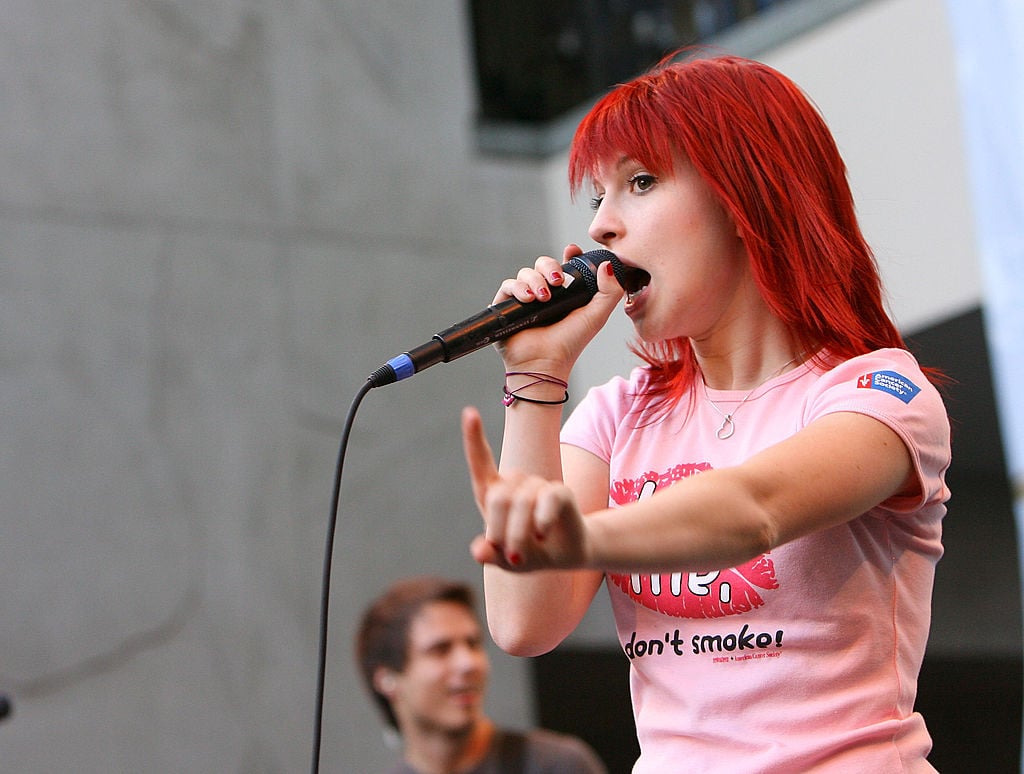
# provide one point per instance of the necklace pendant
(727, 429)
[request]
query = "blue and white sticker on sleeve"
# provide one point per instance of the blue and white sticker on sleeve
(891, 382)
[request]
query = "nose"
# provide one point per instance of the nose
(470, 659)
(605, 227)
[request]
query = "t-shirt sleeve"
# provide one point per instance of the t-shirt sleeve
(890, 386)
(593, 423)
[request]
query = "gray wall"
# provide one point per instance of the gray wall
(217, 217)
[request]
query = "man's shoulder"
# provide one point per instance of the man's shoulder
(542, 751)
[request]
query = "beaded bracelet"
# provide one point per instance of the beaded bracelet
(511, 396)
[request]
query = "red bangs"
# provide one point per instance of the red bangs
(627, 122)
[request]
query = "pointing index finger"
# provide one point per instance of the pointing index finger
(479, 459)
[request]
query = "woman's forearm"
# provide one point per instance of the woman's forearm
(529, 614)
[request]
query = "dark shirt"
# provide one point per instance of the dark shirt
(535, 752)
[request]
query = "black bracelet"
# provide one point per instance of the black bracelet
(511, 397)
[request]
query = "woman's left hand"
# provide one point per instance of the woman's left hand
(530, 523)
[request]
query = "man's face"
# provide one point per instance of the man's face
(442, 686)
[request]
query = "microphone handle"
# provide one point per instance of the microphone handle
(494, 323)
(503, 319)
(498, 321)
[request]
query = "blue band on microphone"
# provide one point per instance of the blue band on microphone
(403, 366)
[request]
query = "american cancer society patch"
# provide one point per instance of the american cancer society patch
(890, 382)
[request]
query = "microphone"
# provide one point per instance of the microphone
(501, 320)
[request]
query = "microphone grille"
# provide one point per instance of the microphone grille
(587, 264)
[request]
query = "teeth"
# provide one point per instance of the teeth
(632, 294)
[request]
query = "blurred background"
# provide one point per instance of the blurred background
(218, 217)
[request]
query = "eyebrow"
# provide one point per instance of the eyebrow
(624, 161)
(450, 639)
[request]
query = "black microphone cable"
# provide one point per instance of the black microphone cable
(325, 593)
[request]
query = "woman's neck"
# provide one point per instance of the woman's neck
(742, 362)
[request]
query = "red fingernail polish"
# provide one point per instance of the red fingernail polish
(543, 293)
(556, 276)
(515, 558)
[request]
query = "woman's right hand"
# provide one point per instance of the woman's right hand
(554, 349)
(530, 523)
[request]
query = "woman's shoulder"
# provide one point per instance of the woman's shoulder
(873, 379)
(882, 369)
(891, 357)
(622, 389)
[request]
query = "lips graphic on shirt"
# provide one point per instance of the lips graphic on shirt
(691, 594)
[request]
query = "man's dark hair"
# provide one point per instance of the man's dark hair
(383, 636)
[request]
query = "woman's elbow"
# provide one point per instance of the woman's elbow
(522, 637)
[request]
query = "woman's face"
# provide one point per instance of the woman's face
(674, 229)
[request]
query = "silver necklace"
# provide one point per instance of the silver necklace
(728, 425)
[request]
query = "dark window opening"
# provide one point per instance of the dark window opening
(537, 60)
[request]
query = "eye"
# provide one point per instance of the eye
(642, 182)
(438, 649)
(595, 202)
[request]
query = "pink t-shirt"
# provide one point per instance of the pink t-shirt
(806, 658)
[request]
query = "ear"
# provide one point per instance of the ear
(385, 681)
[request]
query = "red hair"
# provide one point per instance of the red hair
(767, 154)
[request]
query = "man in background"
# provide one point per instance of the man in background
(421, 653)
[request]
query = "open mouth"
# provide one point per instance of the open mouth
(632, 279)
